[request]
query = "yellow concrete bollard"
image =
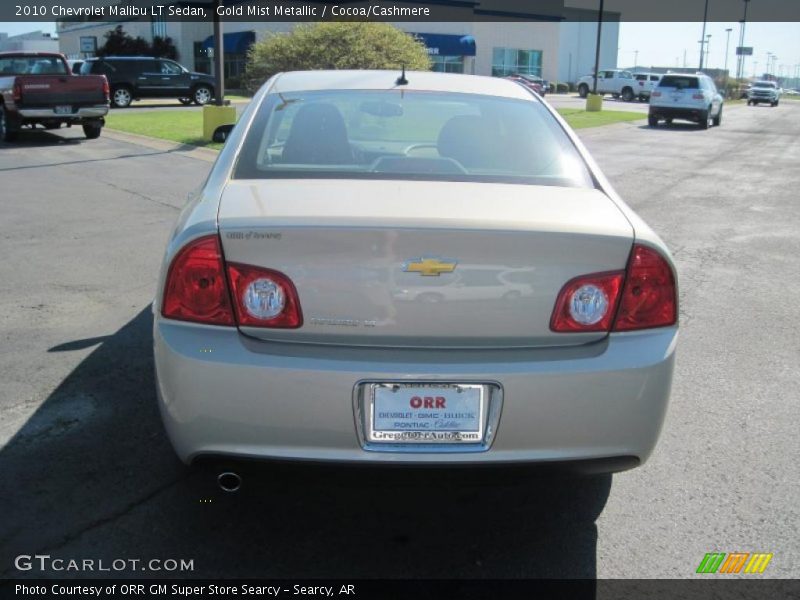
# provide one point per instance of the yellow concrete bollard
(594, 102)
(214, 116)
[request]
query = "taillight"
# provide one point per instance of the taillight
(649, 297)
(106, 90)
(642, 297)
(263, 297)
(587, 303)
(656, 94)
(697, 96)
(16, 92)
(195, 289)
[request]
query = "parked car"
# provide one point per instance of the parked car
(764, 91)
(532, 82)
(645, 82)
(136, 77)
(689, 97)
(37, 88)
(744, 91)
(279, 328)
(75, 66)
(620, 84)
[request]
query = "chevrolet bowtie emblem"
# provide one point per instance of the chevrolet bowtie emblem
(430, 266)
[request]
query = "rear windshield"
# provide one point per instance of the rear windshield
(398, 134)
(680, 82)
(764, 84)
(32, 65)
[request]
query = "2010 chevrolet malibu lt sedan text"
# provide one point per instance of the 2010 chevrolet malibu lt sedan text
(412, 268)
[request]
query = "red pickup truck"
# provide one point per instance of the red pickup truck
(38, 88)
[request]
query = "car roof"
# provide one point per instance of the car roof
(95, 58)
(26, 53)
(301, 81)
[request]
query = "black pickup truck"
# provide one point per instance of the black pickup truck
(38, 88)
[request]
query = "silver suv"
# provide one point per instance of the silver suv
(688, 97)
(764, 91)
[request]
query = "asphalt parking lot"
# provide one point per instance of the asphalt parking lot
(89, 473)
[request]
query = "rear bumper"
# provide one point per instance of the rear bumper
(674, 112)
(223, 394)
(85, 112)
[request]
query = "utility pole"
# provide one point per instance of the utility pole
(597, 49)
(635, 58)
(708, 48)
(219, 74)
(703, 36)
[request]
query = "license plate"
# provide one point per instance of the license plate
(63, 110)
(426, 413)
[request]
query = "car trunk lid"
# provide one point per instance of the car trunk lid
(364, 255)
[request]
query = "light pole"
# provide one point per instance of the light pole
(727, 49)
(635, 58)
(702, 37)
(708, 48)
(742, 23)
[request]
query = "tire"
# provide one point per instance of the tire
(615, 96)
(92, 130)
(202, 95)
(749, 103)
(704, 119)
(583, 90)
(121, 97)
(718, 119)
(775, 103)
(50, 126)
(652, 120)
(7, 132)
(185, 101)
(627, 95)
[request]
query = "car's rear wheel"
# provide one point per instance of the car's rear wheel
(7, 132)
(627, 94)
(718, 118)
(583, 90)
(121, 97)
(202, 95)
(704, 116)
(52, 125)
(92, 129)
(652, 120)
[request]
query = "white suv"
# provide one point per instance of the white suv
(689, 97)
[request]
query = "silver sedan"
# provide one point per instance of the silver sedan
(412, 268)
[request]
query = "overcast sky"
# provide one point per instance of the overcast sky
(662, 44)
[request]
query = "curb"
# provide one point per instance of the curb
(204, 154)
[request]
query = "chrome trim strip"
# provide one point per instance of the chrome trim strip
(49, 113)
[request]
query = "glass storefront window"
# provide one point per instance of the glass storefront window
(447, 64)
(511, 61)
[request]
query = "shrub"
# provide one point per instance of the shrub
(334, 46)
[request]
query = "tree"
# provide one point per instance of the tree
(120, 43)
(334, 46)
(164, 48)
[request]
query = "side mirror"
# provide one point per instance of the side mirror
(221, 133)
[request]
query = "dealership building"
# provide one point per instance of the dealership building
(558, 46)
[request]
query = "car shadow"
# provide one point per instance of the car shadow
(35, 138)
(682, 126)
(91, 474)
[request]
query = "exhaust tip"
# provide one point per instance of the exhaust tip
(229, 481)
